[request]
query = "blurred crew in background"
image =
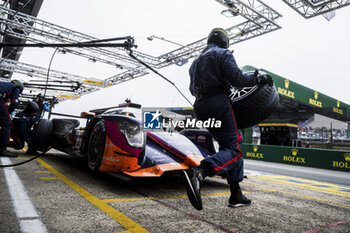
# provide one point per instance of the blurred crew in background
(9, 94)
(43, 107)
(22, 125)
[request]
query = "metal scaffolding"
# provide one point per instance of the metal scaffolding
(72, 85)
(312, 8)
(38, 31)
(259, 19)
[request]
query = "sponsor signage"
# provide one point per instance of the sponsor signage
(298, 92)
(337, 109)
(96, 82)
(284, 91)
(300, 156)
(93, 82)
(294, 158)
(315, 101)
(343, 163)
(255, 153)
(289, 89)
(74, 97)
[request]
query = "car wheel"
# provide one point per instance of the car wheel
(40, 140)
(252, 105)
(96, 146)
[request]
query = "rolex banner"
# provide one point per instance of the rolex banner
(309, 157)
(307, 96)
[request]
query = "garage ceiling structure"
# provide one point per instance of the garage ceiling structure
(258, 19)
(17, 6)
(312, 8)
(19, 25)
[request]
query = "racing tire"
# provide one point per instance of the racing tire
(41, 138)
(254, 104)
(96, 146)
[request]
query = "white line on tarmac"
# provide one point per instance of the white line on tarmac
(27, 216)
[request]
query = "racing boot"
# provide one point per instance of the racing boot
(237, 199)
(5, 153)
(192, 179)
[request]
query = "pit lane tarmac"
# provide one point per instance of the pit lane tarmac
(57, 193)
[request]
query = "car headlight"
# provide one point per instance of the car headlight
(133, 133)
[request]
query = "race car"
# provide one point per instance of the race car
(114, 140)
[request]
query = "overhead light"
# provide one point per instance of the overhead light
(229, 13)
(329, 15)
(63, 34)
(235, 30)
(163, 39)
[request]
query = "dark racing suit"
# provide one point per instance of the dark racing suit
(8, 91)
(43, 107)
(212, 73)
(21, 130)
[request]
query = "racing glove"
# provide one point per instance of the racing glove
(265, 79)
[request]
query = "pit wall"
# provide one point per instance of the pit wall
(308, 157)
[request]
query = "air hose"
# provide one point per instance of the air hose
(27, 161)
(35, 157)
(162, 76)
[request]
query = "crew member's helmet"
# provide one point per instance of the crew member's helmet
(40, 97)
(31, 108)
(19, 84)
(219, 37)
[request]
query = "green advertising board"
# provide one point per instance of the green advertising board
(308, 157)
(308, 96)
